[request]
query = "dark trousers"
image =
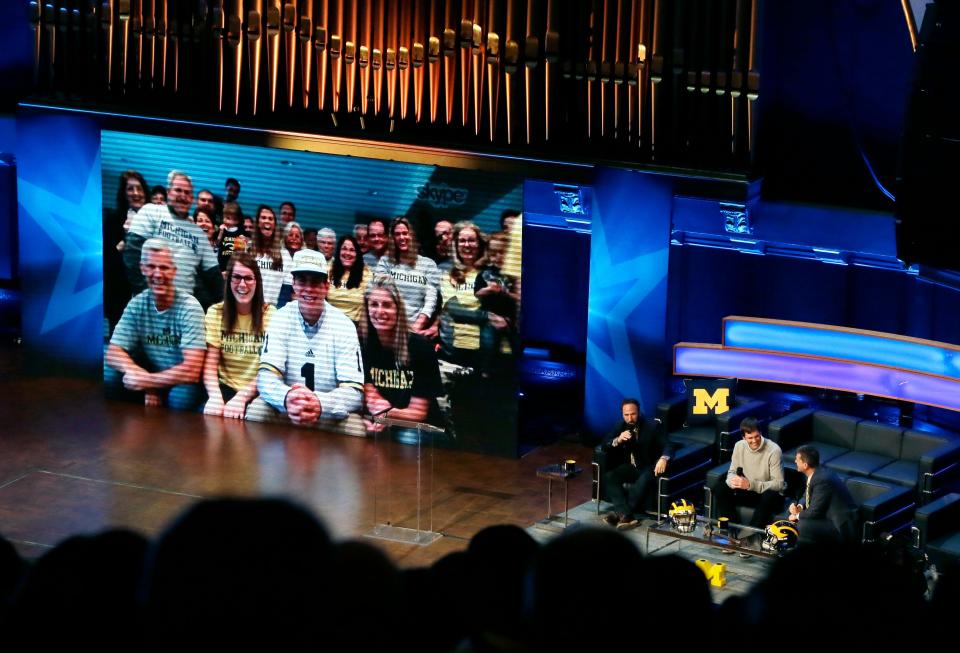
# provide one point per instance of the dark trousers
(818, 531)
(766, 505)
(186, 396)
(633, 500)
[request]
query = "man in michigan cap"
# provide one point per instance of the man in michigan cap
(311, 371)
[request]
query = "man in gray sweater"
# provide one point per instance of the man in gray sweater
(755, 477)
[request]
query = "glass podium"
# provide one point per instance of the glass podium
(403, 495)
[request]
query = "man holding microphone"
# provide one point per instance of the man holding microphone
(755, 477)
(644, 456)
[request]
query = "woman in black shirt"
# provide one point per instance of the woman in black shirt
(401, 375)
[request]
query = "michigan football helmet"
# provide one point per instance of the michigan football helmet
(780, 536)
(684, 516)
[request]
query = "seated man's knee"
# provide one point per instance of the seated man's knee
(647, 478)
(771, 497)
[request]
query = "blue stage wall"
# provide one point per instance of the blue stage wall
(628, 293)
(61, 265)
(804, 290)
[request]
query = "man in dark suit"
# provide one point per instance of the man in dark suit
(643, 456)
(827, 512)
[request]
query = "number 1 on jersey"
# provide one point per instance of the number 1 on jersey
(307, 373)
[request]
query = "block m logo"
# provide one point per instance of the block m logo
(705, 402)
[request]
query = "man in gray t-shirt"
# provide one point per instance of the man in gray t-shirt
(158, 346)
(192, 252)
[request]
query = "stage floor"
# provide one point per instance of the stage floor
(72, 462)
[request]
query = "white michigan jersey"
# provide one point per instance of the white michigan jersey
(324, 357)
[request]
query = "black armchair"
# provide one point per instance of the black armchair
(720, 436)
(683, 478)
(937, 461)
(882, 507)
(936, 530)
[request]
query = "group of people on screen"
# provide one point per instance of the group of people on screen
(255, 317)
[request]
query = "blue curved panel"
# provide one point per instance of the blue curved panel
(888, 350)
(847, 376)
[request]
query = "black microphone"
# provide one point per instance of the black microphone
(739, 471)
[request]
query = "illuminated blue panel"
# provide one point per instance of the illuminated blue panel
(815, 340)
(690, 360)
(58, 184)
(626, 333)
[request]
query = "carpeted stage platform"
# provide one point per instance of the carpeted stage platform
(742, 573)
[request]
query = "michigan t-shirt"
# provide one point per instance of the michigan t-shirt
(396, 382)
(191, 249)
(239, 349)
(160, 336)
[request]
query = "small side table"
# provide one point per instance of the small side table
(557, 472)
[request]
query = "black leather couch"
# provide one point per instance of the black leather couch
(683, 478)
(720, 435)
(882, 507)
(937, 530)
(924, 462)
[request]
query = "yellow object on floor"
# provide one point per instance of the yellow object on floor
(718, 575)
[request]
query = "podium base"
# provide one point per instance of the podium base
(404, 535)
(556, 524)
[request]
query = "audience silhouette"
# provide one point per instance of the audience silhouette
(264, 574)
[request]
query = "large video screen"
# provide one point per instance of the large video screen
(284, 286)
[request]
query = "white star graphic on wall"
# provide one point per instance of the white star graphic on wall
(68, 225)
(611, 306)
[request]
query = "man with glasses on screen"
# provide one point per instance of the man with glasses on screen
(158, 346)
(192, 251)
(443, 231)
(376, 241)
(311, 371)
